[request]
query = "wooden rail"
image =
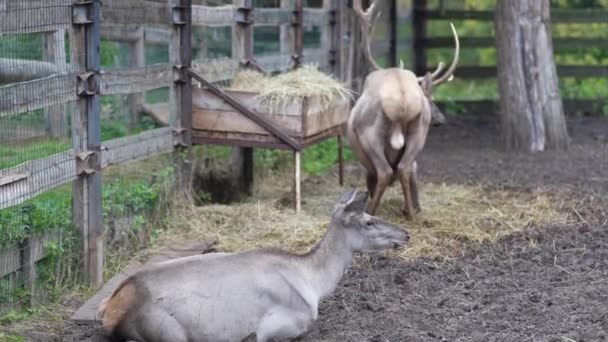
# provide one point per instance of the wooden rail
(41, 175)
(421, 42)
(587, 15)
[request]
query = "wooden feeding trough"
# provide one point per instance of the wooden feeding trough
(240, 118)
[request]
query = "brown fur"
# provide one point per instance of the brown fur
(113, 309)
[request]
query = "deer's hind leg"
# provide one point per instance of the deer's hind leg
(415, 139)
(382, 175)
(154, 324)
(413, 190)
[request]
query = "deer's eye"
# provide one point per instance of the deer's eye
(369, 224)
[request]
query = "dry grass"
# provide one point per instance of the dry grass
(291, 87)
(453, 215)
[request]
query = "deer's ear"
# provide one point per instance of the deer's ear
(346, 197)
(427, 84)
(358, 203)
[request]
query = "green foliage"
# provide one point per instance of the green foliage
(15, 316)
(15, 155)
(323, 156)
(124, 196)
(11, 338)
(47, 212)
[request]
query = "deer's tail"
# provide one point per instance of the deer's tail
(394, 111)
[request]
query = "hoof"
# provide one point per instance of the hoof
(417, 210)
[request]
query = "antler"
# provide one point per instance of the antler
(368, 25)
(449, 74)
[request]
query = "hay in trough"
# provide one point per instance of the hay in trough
(291, 87)
(453, 216)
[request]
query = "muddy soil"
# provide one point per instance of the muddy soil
(539, 285)
(544, 284)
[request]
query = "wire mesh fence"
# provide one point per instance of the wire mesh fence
(49, 123)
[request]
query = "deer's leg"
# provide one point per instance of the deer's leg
(284, 324)
(157, 325)
(372, 182)
(416, 137)
(413, 191)
(383, 173)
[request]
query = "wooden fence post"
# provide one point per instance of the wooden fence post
(138, 59)
(393, 22)
(54, 52)
(298, 33)
(286, 33)
(86, 137)
(419, 35)
(242, 49)
(335, 37)
(181, 90)
(345, 41)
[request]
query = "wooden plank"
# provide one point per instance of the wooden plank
(576, 71)
(242, 50)
(159, 112)
(86, 139)
(135, 12)
(137, 147)
(316, 56)
(216, 69)
(138, 60)
(315, 17)
(44, 174)
(31, 95)
(582, 15)
(10, 260)
(204, 99)
(233, 121)
(56, 115)
(35, 16)
(275, 62)
(181, 93)
(14, 70)
(419, 28)
(488, 42)
(272, 16)
(286, 33)
(319, 121)
(128, 33)
(298, 33)
(490, 107)
(133, 80)
(213, 16)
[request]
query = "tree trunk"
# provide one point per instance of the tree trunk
(531, 109)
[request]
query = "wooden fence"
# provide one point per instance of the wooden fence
(52, 84)
(421, 15)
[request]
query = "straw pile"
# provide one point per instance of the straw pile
(291, 87)
(453, 216)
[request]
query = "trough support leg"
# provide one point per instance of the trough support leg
(296, 178)
(340, 160)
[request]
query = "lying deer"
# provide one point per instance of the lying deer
(251, 296)
(388, 125)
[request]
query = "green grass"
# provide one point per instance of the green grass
(15, 155)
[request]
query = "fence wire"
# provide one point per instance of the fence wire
(40, 248)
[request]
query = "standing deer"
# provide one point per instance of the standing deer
(255, 296)
(388, 125)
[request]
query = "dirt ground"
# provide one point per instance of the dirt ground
(546, 283)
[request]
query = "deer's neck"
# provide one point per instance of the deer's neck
(327, 261)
